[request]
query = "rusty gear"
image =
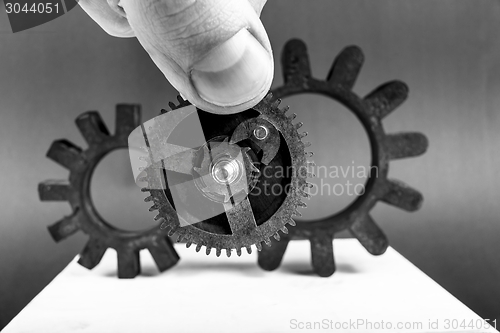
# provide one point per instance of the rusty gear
(385, 147)
(76, 191)
(251, 220)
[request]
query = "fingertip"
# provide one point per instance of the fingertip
(234, 73)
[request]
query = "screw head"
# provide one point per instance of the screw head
(261, 132)
(225, 171)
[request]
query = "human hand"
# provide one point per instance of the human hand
(216, 53)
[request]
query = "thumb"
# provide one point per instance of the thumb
(216, 53)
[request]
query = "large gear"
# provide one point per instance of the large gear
(76, 191)
(385, 147)
(251, 219)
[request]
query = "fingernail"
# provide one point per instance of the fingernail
(234, 72)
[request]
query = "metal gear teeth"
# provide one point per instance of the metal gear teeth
(269, 110)
(76, 191)
(385, 147)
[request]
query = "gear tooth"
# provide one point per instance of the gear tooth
(305, 194)
(147, 199)
(180, 238)
(217, 252)
(291, 222)
(267, 241)
(309, 154)
(302, 204)
(402, 145)
(66, 154)
(128, 118)
(153, 208)
(402, 196)
(299, 125)
(277, 236)
(198, 247)
(171, 232)
(157, 217)
(163, 111)
(307, 144)
(164, 225)
(386, 98)
(228, 252)
(172, 105)
(311, 163)
(163, 253)
(292, 116)
(238, 252)
(64, 227)
(370, 235)
(296, 213)
(249, 249)
(285, 109)
(54, 190)
(188, 244)
(284, 230)
(322, 254)
(128, 263)
(268, 98)
(276, 103)
(180, 99)
(346, 67)
(258, 246)
(92, 127)
(208, 250)
(92, 253)
(295, 62)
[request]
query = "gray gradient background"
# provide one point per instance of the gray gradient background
(448, 52)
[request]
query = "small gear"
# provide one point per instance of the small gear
(246, 216)
(76, 191)
(385, 147)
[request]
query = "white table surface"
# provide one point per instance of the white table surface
(209, 294)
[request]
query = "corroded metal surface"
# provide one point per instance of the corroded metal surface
(76, 191)
(370, 111)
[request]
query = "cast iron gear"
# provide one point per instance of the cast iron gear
(254, 218)
(385, 147)
(76, 191)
